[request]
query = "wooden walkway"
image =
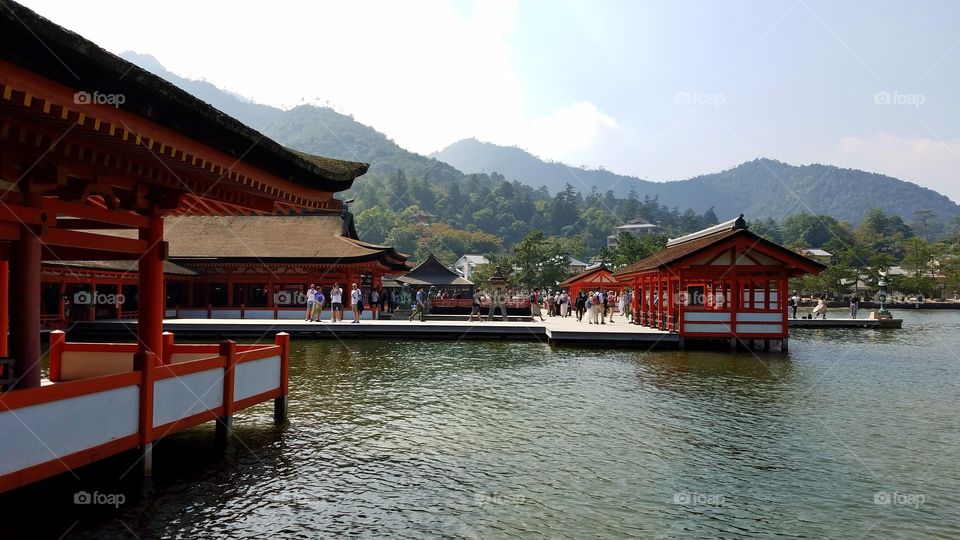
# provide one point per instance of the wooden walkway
(554, 330)
(845, 323)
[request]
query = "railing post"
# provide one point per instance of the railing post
(243, 308)
(146, 364)
(57, 340)
(167, 350)
(228, 350)
(280, 403)
(209, 311)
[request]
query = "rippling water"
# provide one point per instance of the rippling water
(503, 439)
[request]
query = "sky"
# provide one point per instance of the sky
(663, 90)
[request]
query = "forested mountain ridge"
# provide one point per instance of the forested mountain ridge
(760, 188)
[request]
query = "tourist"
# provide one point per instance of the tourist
(336, 303)
(591, 307)
(581, 305)
(821, 308)
(318, 299)
(564, 304)
(792, 304)
(622, 305)
(356, 302)
(477, 305)
(535, 304)
(420, 308)
(550, 301)
(310, 292)
(854, 305)
(375, 304)
(601, 306)
(393, 300)
(498, 300)
(796, 303)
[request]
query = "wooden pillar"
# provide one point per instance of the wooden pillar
(24, 287)
(281, 402)
(92, 314)
(119, 304)
(190, 285)
(4, 305)
(151, 307)
(61, 302)
(228, 350)
(146, 363)
(167, 357)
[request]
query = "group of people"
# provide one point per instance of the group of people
(597, 305)
(820, 309)
(316, 300)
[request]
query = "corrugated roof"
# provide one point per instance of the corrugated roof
(268, 237)
(583, 275)
(45, 48)
(683, 250)
(120, 266)
(433, 272)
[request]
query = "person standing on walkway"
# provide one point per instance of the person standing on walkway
(622, 306)
(375, 304)
(854, 305)
(498, 301)
(564, 304)
(535, 304)
(309, 299)
(318, 300)
(356, 302)
(602, 302)
(420, 308)
(796, 303)
(336, 303)
(476, 306)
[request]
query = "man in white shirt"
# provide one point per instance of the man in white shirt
(336, 303)
(356, 297)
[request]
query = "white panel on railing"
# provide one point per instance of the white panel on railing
(193, 314)
(84, 364)
(759, 329)
(706, 328)
(47, 431)
(225, 313)
(258, 314)
(179, 397)
(181, 357)
(170, 313)
(256, 377)
(705, 316)
(760, 317)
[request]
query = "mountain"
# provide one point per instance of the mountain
(760, 188)
(316, 130)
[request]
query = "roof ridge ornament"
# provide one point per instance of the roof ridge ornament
(733, 224)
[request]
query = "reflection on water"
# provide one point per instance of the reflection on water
(502, 439)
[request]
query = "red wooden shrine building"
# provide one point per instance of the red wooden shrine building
(721, 282)
(590, 280)
(236, 266)
(89, 145)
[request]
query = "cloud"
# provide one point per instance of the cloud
(566, 132)
(928, 162)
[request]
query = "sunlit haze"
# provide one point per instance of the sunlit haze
(663, 90)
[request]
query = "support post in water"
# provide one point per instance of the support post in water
(228, 350)
(280, 402)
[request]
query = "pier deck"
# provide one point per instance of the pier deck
(845, 323)
(553, 330)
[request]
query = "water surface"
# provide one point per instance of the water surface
(506, 439)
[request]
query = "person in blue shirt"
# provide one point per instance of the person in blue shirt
(420, 309)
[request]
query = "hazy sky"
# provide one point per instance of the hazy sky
(662, 90)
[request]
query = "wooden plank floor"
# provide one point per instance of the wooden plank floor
(554, 330)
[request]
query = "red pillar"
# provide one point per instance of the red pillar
(151, 306)
(4, 302)
(25, 303)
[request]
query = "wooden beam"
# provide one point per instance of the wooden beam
(95, 242)
(102, 215)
